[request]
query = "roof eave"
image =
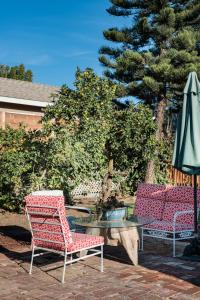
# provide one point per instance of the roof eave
(25, 101)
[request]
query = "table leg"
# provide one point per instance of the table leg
(129, 240)
(93, 231)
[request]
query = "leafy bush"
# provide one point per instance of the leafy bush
(14, 167)
(102, 131)
(83, 117)
(132, 143)
(81, 133)
(162, 160)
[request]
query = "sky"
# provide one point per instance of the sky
(53, 38)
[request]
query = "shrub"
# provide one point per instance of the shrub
(14, 167)
(82, 132)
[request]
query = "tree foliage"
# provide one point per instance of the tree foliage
(132, 142)
(86, 113)
(16, 72)
(154, 55)
(101, 129)
(14, 167)
(81, 132)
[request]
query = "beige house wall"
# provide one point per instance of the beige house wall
(13, 114)
(24, 102)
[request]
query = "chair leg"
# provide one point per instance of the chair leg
(139, 245)
(32, 256)
(142, 241)
(101, 258)
(64, 267)
(71, 257)
(174, 245)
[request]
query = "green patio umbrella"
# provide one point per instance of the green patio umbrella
(186, 156)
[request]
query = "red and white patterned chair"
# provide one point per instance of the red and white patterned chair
(172, 209)
(70, 219)
(50, 231)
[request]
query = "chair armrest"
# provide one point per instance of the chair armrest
(182, 212)
(80, 208)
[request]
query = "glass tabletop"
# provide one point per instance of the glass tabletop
(131, 221)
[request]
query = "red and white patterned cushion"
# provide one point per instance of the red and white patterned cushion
(81, 241)
(168, 226)
(149, 207)
(56, 203)
(171, 208)
(183, 194)
(154, 191)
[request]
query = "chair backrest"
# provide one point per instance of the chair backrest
(48, 223)
(151, 191)
(180, 194)
(162, 202)
(150, 200)
(178, 198)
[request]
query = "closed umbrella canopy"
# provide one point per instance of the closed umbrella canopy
(186, 156)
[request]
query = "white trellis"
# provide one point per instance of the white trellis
(91, 189)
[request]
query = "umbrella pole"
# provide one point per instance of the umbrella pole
(195, 204)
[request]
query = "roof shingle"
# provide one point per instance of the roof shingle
(26, 90)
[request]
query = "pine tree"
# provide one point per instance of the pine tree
(28, 75)
(21, 72)
(155, 54)
(16, 72)
(13, 73)
(4, 70)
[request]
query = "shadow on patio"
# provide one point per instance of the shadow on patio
(155, 263)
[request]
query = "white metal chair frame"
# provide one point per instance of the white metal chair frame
(169, 235)
(63, 253)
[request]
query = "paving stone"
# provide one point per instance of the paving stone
(187, 267)
(158, 275)
(181, 296)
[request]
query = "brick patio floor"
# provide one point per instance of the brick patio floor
(158, 276)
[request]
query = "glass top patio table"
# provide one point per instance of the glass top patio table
(131, 221)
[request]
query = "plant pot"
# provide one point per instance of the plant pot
(114, 214)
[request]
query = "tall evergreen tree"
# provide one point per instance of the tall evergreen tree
(155, 54)
(28, 76)
(16, 72)
(21, 72)
(13, 73)
(4, 70)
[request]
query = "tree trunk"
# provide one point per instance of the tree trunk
(107, 181)
(150, 174)
(149, 177)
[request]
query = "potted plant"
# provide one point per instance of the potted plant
(111, 209)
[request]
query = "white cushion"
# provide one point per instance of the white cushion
(48, 193)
